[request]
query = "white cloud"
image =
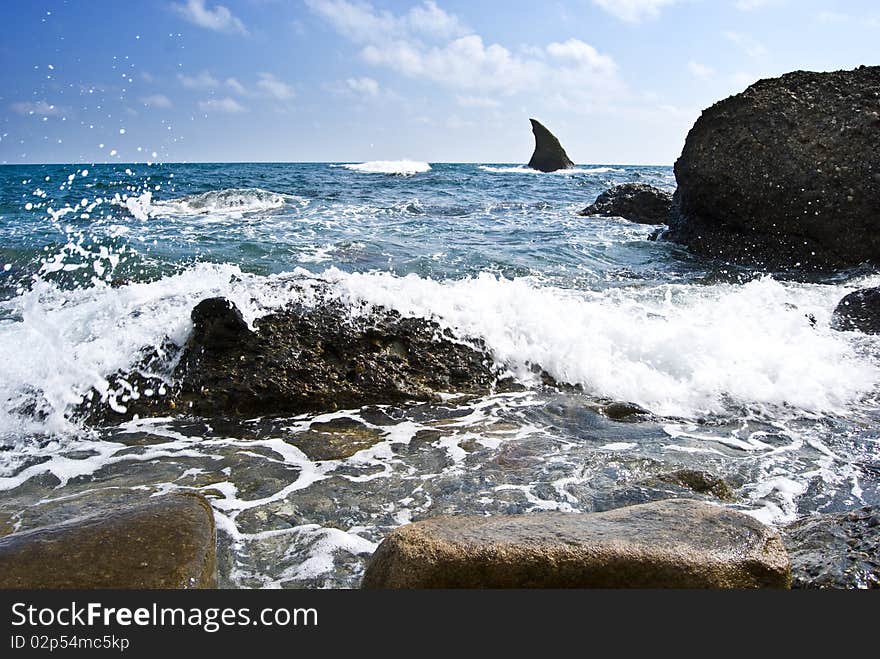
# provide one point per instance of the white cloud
(158, 101)
(749, 45)
(749, 5)
(39, 108)
(203, 80)
(275, 88)
(227, 105)
(365, 86)
(236, 86)
(362, 23)
(700, 70)
(832, 17)
(429, 44)
(477, 102)
(634, 11)
(219, 19)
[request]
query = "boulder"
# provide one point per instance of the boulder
(676, 543)
(859, 311)
(549, 155)
(164, 542)
(785, 174)
(839, 550)
(300, 359)
(636, 202)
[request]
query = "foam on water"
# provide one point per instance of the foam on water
(522, 169)
(233, 202)
(396, 167)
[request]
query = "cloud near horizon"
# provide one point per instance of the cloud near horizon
(218, 19)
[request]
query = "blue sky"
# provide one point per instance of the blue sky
(619, 81)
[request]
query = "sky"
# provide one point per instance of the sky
(618, 81)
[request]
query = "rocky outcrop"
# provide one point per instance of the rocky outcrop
(836, 550)
(636, 202)
(785, 174)
(164, 542)
(549, 155)
(301, 359)
(676, 543)
(859, 311)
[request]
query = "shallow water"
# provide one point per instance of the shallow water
(736, 380)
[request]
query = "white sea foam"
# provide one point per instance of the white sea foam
(233, 202)
(677, 350)
(397, 167)
(522, 169)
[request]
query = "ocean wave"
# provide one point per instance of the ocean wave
(396, 167)
(232, 201)
(522, 169)
(680, 351)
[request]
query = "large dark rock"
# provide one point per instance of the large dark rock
(301, 359)
(549, 155)
(165, 542)
(785, 174)
(859, 311)
(676, 543)
(836, 550)
(636, 202)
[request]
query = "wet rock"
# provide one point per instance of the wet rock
(625, 412)
(859, 311)
(164, 542)
(301, 359)
(335, 440)
(676, 543)
(784, 174)
(549, 155)
(839, 550)
(635, 202)
(701, 482)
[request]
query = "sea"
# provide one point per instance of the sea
(737, 373)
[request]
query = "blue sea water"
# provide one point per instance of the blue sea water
(99, 262)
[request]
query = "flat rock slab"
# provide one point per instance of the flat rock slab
(165, 542)
(676, 543)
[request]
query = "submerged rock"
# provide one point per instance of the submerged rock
(836, 550)
(335, 440)
(701, 482)
(301, 359)
(785, 174)
(164, 542)
(636, 202)
(859, 311)
(549, 155)
(676, 543)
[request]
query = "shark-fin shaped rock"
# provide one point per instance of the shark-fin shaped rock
(549, 155)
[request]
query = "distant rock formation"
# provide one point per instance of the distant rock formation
(676, 543)
(785, 174)
(549, 155)
(635, 202)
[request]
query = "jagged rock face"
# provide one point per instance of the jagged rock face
(785, 174)
(859, 311)
(676, 543)
(163, 542)
(304, 359)
(549, 155)
(636, 202)
(836, 550)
